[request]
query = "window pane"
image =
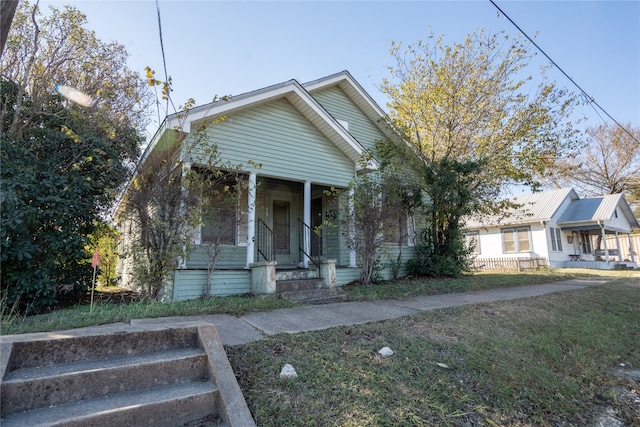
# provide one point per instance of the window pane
(508, 240)
(523, 240)
(553, 239)
(559, 237)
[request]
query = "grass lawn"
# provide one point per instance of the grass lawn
(80, 316)
(554, 360)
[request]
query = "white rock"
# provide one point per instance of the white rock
(385, 351)
(288, 372)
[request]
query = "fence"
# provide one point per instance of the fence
(512, 264)
(624, 245)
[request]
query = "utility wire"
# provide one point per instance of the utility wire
(164, 63)
(589, 99)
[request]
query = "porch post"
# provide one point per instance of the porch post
(604, 241)
(352, 231)
(251, 219)
(618, 247)
(633, 258)
(307, 220)
(182, 261)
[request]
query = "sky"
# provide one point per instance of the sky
(228, 48)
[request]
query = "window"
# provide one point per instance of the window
(556, 239)
(222, 218)
(473, 242)
(516, 240)
(585, 240)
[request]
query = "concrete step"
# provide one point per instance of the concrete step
(34, 387)
(171, 405)
(57, 351)
(120, 375)
(296, 274)
(283, 286)
(315, 296)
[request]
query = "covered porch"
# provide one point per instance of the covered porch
(600, 247)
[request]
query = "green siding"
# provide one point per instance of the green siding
(190, 284)
(283, 141)
(390, 254)
(347, 275)
(230, 257)
(336, 102)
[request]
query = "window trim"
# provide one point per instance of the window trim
(469, 235)
(556, 239)
(516, 239)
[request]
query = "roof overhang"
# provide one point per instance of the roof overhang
(293, 92)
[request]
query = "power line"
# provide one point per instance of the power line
(164, 63)
(584, 93)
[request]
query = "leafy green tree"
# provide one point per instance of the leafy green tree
(473, 102)
(474, 126)
(375, 214)
(106, 240)
(62, 164)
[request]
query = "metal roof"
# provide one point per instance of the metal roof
(531, 208)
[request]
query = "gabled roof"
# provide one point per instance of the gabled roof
(597, 209)
(345, 81)
(531, 208)
(293, 92)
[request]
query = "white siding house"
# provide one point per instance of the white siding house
(559, 227)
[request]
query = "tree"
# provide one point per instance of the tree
(376, 214)
(56, 49)
(471, 102)
(474, 127)
(608, 163)
(62, 164)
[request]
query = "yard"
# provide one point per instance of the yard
(556, 360)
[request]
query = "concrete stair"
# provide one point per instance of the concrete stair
(309, 291)
(123, 375)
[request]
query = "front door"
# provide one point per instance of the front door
(281, 227)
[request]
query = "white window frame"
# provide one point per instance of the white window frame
(556, 239)
(516, 231)
(470, 237)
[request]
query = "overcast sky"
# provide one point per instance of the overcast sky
(228, 48)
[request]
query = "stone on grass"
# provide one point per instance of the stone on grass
(288, 372)
(385, 352)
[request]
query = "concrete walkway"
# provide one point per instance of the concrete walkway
(255, 326)
(235, 330)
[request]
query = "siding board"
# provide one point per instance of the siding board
(336, 102)
(284, 142)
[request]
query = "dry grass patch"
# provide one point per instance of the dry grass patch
(542, 361)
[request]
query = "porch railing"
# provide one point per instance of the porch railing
(305, 232)
(264, 241)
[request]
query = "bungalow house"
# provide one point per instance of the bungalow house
(561, 228)
(308, 139)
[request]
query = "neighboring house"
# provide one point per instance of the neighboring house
(309, 138)
(560, 227)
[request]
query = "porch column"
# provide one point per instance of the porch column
(182, 261)
(251, 219)
(604, 241)
(352, 231)
(618, 247)
(307, 220)
(633, 258)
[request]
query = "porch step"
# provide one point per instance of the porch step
(309, 291)
(288, 274)
(125, 375)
